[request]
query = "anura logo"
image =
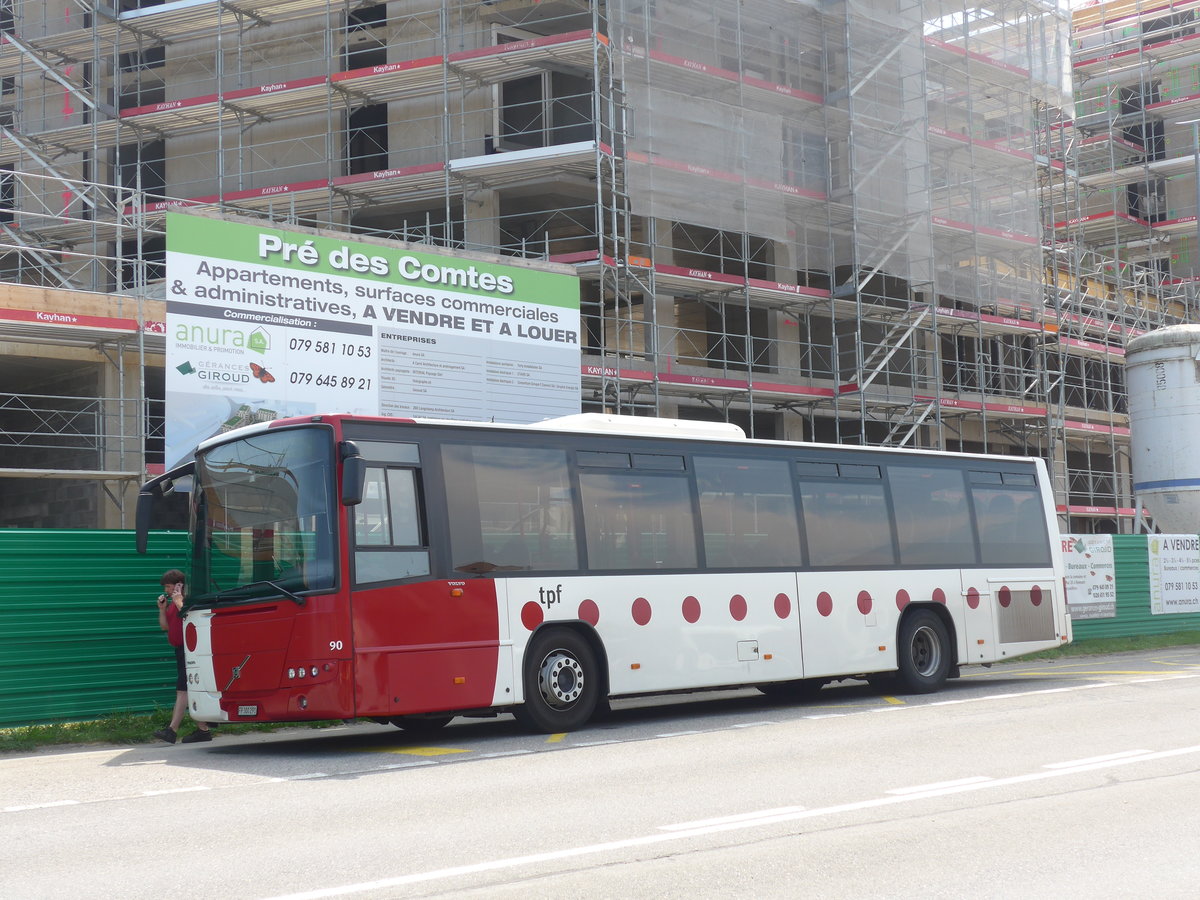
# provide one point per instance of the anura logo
(258, 340)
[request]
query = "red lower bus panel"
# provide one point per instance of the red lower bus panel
(426, 647)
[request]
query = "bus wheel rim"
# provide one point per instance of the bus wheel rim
(926, 651)
(560, 679)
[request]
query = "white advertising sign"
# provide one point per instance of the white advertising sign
(1091, 576)
(1174, 573)
(264, 323)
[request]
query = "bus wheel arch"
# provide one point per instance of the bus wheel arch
(926, 649)
(564, 678)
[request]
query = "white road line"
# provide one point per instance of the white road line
(497, 754)
(49, 805)
(922, 788)
(410, 765)
(740, 817)
(670, 734)
(182, 790)
(753, 821)
(1095, 759)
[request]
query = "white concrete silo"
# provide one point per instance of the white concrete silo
(1162, 372)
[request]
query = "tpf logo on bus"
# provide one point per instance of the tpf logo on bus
(549, 596)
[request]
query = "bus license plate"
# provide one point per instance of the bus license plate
(247, 710)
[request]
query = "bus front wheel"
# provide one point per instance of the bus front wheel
(924, 653)
(562, 682)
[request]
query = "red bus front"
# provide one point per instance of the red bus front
(273, 632)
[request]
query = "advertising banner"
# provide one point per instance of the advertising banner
(264, 323)
(1174, 573)
(1091, 576)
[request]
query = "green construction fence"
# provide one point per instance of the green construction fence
(1131, 562)
(79, 635)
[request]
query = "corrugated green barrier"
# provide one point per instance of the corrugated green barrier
(1133, 598)
(79, 635)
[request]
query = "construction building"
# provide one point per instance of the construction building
(854, 222)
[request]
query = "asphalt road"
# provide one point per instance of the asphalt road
(1076, 778)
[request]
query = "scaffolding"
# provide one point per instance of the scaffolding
(842, 221)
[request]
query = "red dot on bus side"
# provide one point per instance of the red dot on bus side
(939, 596)
(864, 602)
(824, 604)
(783, 605)
(641, 610)
(589, 612)
(190, 636)
(1005, 596)
(972, 598)
(902, 599)
(1035, 595)
(691, 610)
(531, 615)
(737, 607)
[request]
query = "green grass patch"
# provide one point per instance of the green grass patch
(1099, 646)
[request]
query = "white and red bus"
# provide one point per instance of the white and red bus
(410, 570)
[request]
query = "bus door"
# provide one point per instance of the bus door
(421, 644)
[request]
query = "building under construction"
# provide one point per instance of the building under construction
(854, 222)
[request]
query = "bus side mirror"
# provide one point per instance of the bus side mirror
(354, 476)
(156, 487)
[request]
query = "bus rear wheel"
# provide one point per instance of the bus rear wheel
(562, 682)
(924, 653)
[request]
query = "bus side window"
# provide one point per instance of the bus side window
(371, 525)
(933, 526)
(1012, 526)
(748, 513)
(387, 527)
(510, 509)
(637, 521)
(846, 523)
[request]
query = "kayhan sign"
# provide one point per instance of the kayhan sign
(264, 323)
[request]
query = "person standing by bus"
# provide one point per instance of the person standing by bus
(170, 604)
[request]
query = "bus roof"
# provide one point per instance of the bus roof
(601, 423)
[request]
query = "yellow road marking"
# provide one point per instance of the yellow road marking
(555, 738)
(1067, 670)
(896, 701)
(421, 751)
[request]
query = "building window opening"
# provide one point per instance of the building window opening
(367, 139)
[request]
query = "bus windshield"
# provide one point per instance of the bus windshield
(263, 516)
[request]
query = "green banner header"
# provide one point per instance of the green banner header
(294, 251)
